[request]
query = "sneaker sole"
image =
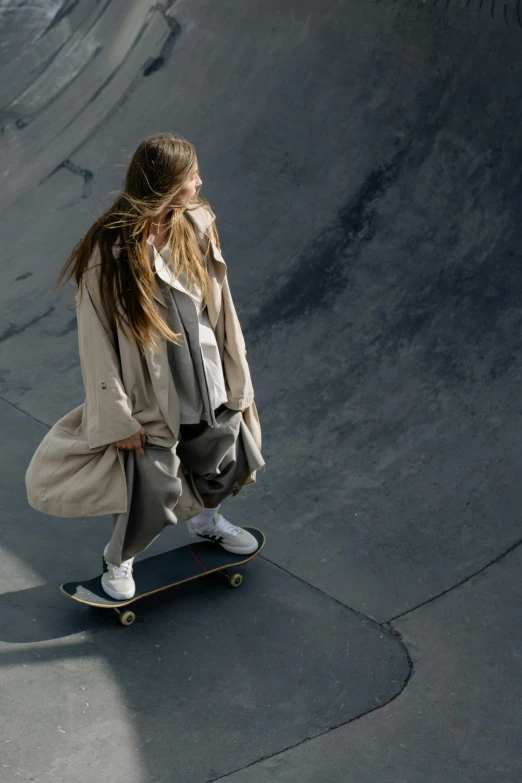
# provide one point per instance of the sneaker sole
(116, 595)
(241, 550)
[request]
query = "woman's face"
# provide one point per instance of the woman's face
(183, 197)
(187, 193)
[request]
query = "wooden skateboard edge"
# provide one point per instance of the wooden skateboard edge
(118, 604)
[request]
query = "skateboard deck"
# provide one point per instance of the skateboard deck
(168, 569)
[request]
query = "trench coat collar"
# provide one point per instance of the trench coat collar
(202, 217)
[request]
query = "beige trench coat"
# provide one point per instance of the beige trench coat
(77, 470)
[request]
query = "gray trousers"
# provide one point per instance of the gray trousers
(214, 462)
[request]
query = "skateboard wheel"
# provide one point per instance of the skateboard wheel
(127, 618)
(234, 580)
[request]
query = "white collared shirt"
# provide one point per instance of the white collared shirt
(190, 413)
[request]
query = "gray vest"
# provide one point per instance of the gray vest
(186, 359)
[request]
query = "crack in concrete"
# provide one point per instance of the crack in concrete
(321, 733)
(458, 584)
(25, 413)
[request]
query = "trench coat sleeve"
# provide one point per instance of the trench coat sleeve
(237, 373)
(108, 409)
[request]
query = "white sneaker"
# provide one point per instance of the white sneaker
(117, 581)
(233, 539)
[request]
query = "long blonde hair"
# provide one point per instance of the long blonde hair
(158, 170)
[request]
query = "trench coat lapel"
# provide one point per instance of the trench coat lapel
(162, 271)
(202, 218)
(158, 294)
(161, 379)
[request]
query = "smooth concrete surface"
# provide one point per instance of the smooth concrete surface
(363, 162)
(457, 721)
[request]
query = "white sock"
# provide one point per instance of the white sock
(204, 518)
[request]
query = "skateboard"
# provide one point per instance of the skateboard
(168, 569)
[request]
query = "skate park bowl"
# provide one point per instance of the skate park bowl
(363, 162)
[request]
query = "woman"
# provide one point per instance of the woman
(169, 427)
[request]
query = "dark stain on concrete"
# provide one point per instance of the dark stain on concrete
(71, 326)
(494, 9)
(155, 64)
(12, 330)
(463, 321)
(24, 276)
(85, 174)
(322, 270)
